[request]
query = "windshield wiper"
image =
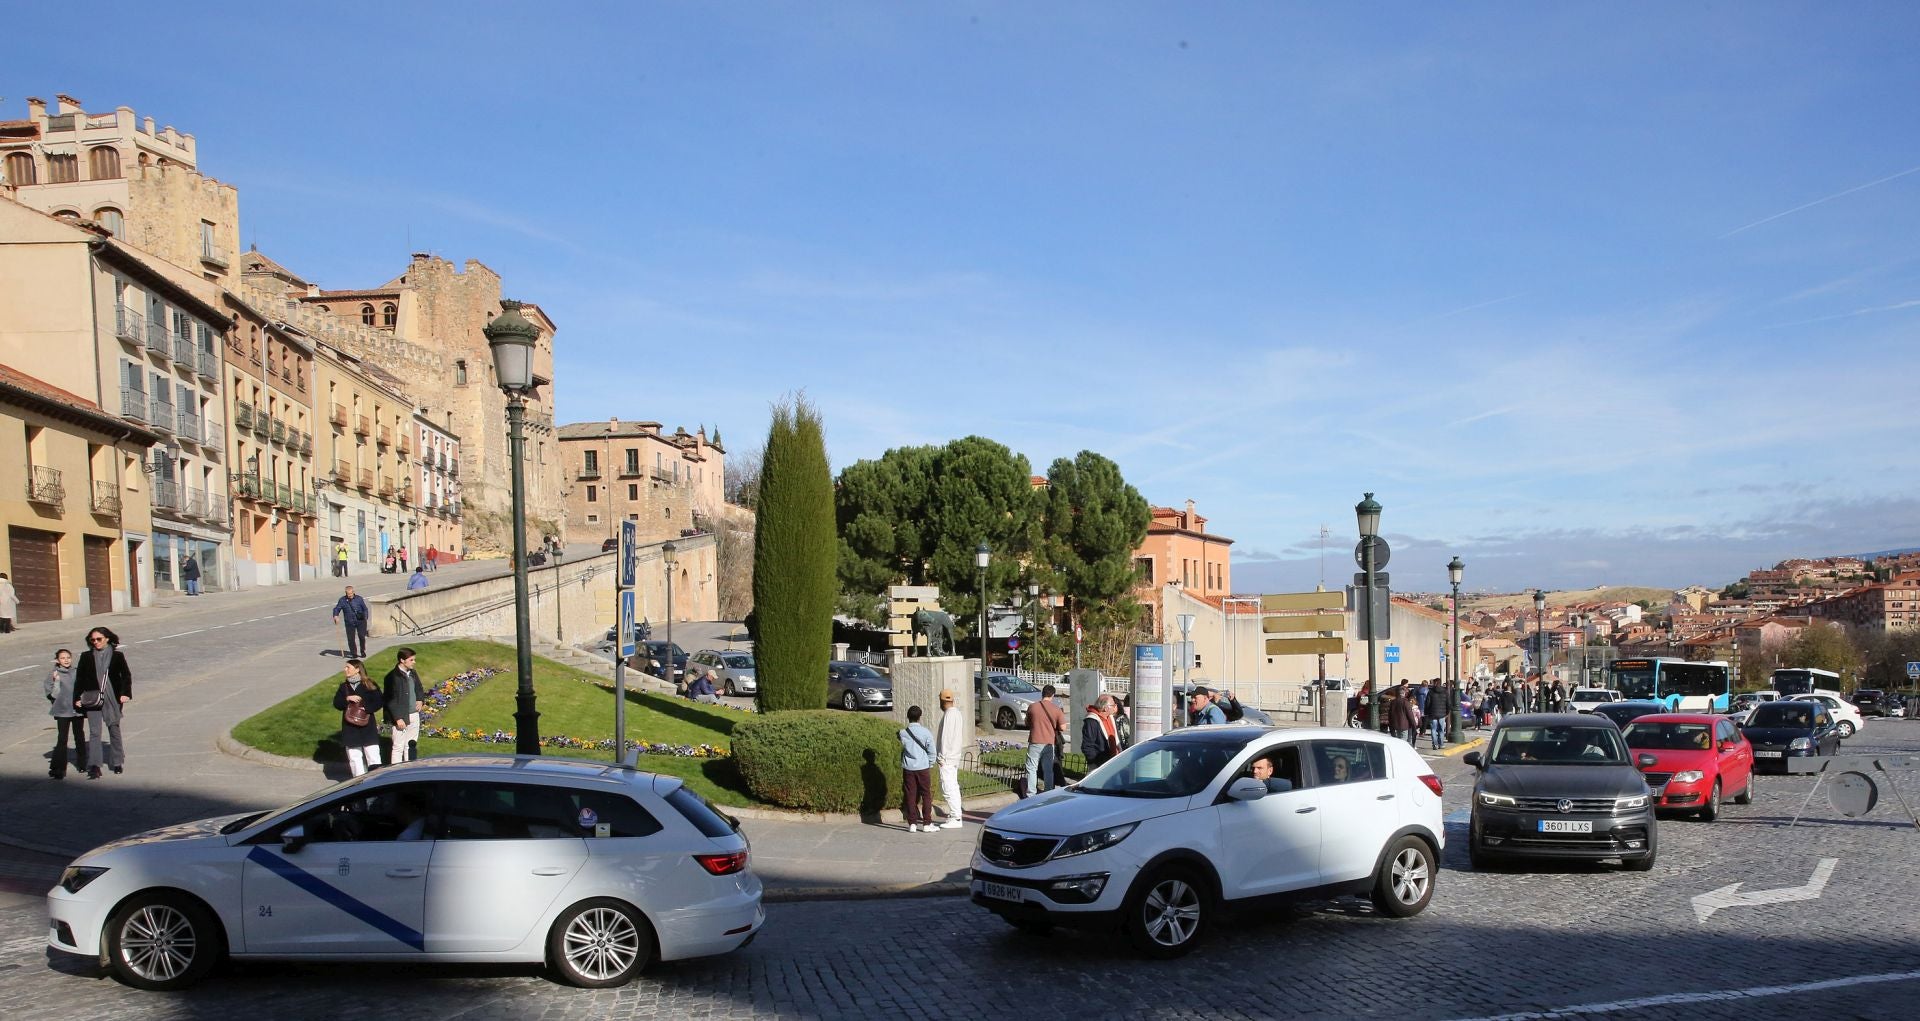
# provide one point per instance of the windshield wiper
(240, 824)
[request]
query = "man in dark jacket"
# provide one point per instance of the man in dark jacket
(405, 698)
(1400, 712)
(352, 611)
(1439, 709)
(1099, 736)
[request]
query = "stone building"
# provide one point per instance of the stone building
(278, 488)
(424, 326)
(1178, 549)
(437, 478)
(368, 447)
(143, 185)
(628, 471)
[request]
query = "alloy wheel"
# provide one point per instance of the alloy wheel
(1410, 876)
(158, 943)
(601, 943)
(1171, 912)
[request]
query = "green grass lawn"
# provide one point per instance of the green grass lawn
(571, 703)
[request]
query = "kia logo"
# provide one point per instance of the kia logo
(1006, 851)
(1565, 806)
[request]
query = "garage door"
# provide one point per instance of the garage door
(36, 573)
(99, 575)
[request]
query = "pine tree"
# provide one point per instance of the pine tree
(793, 562)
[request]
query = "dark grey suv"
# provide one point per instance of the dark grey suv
(1560, 785)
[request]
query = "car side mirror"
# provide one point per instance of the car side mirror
(1247, 789)
(1647, 760)
(292, 839)
(1472, 759)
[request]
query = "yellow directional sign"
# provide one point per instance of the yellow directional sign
(1308, 623)
(1306, 646)
(1303, 601)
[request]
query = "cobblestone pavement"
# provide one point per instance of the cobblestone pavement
(1575, 941)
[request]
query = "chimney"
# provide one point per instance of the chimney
(1189, 519)
(313, 290)
(36, 107)
(68, 104)
(613, 425)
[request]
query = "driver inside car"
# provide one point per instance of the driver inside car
(1261, 769)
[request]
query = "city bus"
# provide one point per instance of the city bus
(1685, 686)
(1791, 681)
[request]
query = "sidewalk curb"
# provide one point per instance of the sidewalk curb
(984, 802)
(793, 895)
(226, 743)
(1463, 748)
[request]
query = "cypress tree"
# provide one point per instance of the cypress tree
(794, 553)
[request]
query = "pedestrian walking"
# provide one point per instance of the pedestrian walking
(950, 746)
(9, 604)
(340, 555)
(1123, 722)
(433, 557)
(404, 698)
(102, 687)
(1438, 697)
(190, 574)
(419, 579)
(1400, 715)
(351, 611)
(1099, 738)
(402, 553)
(1044, 722)
(358, 700)
(67, 720)
(1200, 708)
(916, 770)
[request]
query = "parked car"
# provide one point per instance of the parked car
(1623, 713)
(610, 544)
(1845, 716)
(730, 672)
(1012, 697)
(1560, 785)
(855, 686)
(652, 657)
(426, 861)
(1697, 759)
(1871, 702)
(1177, 833)
(1585, 700)
(641, 632)
(1790, 729)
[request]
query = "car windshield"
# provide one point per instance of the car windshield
(738, 661)
(1634, 683)
(861, 673)
(1781, 714)
(1669, 736)
(1160, 769)
(1013, 685)
(1558, 744)
(1591, 694)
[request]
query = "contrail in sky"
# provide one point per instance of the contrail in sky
(1815, 202)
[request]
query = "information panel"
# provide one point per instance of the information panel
(1149, 691)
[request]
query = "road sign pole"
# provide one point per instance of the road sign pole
(1372, 627)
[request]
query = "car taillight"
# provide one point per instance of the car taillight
(1432, 782)
(722, 864)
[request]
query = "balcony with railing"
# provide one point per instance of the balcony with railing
(365, 481)
(157, 338)
(106, 499)
(215, 512)
(262, 425)
(189, 428)
(184, 352)
(405, 496)
(338, 416)
(278, 431)
(664, 475)
(129, 325)
(213, 255)
(214, 438)
(166, 495)
(250, 486)
(160, 415)
(630, 470)
(306, 443)
(242, 415)
(342, 473)
(362, 425)
(406, 443)
(384, 436)
(209, 364)
(386, 486)
(589, 471)
(453, 468)
(133, 403)
(44, 486)
(193, 502)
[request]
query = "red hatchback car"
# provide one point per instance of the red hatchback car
(1698, 758)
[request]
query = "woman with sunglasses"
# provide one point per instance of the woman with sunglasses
(102, 686)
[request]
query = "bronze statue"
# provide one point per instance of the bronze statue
(937, 626)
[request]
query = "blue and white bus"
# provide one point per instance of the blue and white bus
(1685, 686)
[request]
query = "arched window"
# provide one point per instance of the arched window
(324, 308)
(460, 372)
(389, 315)
(20, 168)
(103, 163)
(366, 315)
(66, 214)
(110, 218)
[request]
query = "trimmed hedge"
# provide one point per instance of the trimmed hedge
(820, 760)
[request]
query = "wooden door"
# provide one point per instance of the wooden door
(36, 573)
(99, 557)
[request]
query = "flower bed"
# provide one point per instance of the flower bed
(443, 695)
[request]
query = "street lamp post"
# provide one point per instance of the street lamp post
(1367, 512)
(982, 707)
(1033, 630)
(1540, 646)
(1454, 570)
(511, 337)
(559, 623)
(669, 555)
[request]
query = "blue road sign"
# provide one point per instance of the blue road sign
(629, 551)
(1393, 654)
(1013, 643)
(1913, 670)
(626, 623)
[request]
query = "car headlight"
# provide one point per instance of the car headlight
(1689, 776)
(1801, 744)
(1629, 804)
(1496, 800)
(76, 877)
(1098, 840)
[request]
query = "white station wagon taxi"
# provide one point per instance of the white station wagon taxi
(592, 869)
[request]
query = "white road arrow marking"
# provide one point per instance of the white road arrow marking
(1707, 903)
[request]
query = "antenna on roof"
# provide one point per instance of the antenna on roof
(1323, 555)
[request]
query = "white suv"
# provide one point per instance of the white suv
(1186, 826)
(1584, 700)
(1845, 714)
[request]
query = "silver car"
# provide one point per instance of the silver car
(1012, 698)
(857, 686)
(730, 672)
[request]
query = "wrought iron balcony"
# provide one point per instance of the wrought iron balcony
(133, 403)
(129, 325)
(166, 495)
(242, 415)
(160, 416)
(106, 499)
(279, 431)
(589, 472)
(157, 336)
(189, 428)
(215, 440)
(209, 364)
(43, 485)
(262, 425)
(183, 350)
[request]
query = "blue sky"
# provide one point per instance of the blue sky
(1586, 293)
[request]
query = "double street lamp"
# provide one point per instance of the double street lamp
(1454, 570)
(1367, 512)
(511, 337)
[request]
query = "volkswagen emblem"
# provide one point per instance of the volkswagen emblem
(1564, 806)
(1006, 852)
